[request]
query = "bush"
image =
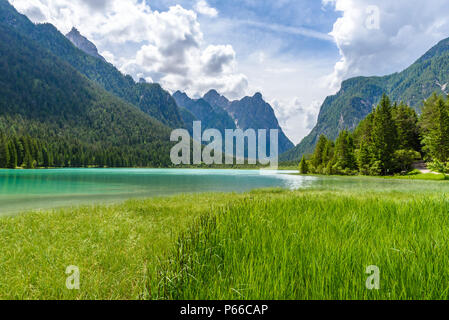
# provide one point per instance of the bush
(437, 166)
(376, 169)
(403, 159)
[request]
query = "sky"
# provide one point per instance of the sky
(295, 52)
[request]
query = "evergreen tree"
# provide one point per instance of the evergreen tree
(363, 137)
(384, 136)
(28, 162)
(364, 157)
(406, 121)
(4, 154)
(45, 158)
(19, 150)
(344, 152)
(318, 156)
(328, 152)
(12, 156)
(429, 114)
(303, 166)
(435, 124)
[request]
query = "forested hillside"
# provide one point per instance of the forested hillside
(150, 98)
(51, 115)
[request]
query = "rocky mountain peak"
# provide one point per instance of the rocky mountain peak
(216, 99)
(258, 96)
(83, 43)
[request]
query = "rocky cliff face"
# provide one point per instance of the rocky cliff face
(250, 113)
(211, 117)
(83, 43)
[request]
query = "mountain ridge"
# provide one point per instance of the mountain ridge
(216, 111)
(150, 98)
(212, 118)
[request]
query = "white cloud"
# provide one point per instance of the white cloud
(406, 29)
(203, 7)
(167, 47)
(296, 118)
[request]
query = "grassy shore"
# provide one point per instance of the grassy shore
(411, 176)
(117, 247)
(268, 244)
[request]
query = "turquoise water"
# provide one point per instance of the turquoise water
(24, 190)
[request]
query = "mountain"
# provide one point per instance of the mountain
(83, 44)
(216, 111)
(45, 98)
(215, 99)
(150, 98)
(250, 113)
(359, 95)
(211, 117)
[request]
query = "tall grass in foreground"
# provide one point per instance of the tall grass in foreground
(273, 244)
(117, 248)
(314, 245)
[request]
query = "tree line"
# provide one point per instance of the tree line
(29, 153)
(388, 141)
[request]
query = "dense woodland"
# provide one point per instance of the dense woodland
(388, 141)
(29, 153)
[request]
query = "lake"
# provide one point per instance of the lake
(24, 190)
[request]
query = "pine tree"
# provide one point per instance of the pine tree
(28, 161)
(303, 166)
(45, 158)
(4, 154)
(344, 152)
(318, 156)
(406, 121)
(384, 136)
(328, 152)
(429, 114)
(12, 155)
(364, 158)
(436, 132)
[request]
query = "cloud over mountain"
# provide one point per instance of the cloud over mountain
(381, 37)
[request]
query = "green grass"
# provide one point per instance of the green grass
(315, 245)
(117, 247)
(413, 176)
(424, 176)
(267, 244)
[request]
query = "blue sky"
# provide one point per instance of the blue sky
(258, 20)
(295, 52)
